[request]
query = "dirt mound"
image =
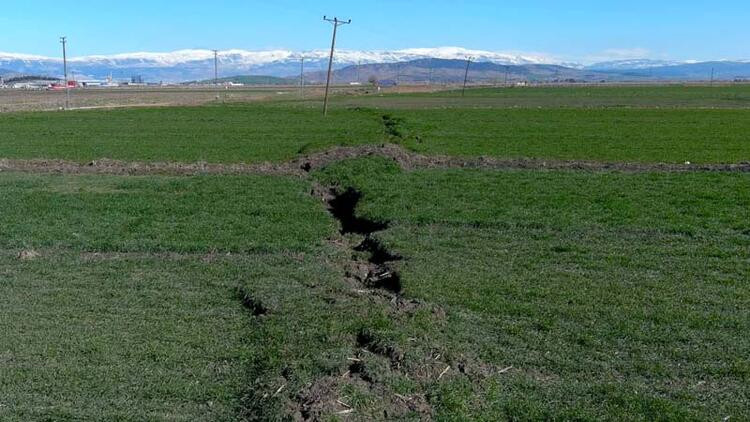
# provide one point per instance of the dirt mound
(28, 255)
(300, 166)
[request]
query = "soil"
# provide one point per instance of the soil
(301, 166)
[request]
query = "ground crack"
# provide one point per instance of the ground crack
(251, 303)
(342, 206)
(393, 126)
(376, 273)
(370, 342)
(371, 271)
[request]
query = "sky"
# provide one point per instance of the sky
(582, 31)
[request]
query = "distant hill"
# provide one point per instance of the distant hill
(27, 78)
(453, 71)
(409, 65)
(193, 65)
(660, 70)
(626, 65)
(251, 80)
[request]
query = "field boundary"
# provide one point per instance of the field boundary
(408, 160)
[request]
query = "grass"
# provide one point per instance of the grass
(647, 96)
(131, 339)
(131, 311)
(251, 80)
(640, 135)
(524, 295)
(140, 214)
(216, 134)
(259, 133)
(612, 296)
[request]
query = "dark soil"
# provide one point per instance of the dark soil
(301, 166)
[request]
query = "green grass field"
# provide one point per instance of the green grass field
(429, 294)
(674, 96)
(259, 133)
(674, 136)
(612, 296)
(215, 134)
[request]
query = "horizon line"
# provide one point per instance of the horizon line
(540, 58)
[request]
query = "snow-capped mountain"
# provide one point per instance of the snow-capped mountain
(633, 64)
(198, 64)
(188, 65)
(676, 71)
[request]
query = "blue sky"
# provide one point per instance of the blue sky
(581, 31)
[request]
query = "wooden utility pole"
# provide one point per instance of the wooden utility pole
(429, 78)
(398, 77)
(466, 75)
(64, 42)
(336, 23)
(302, 77)
(216, 67)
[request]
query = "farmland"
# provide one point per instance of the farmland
(249, 133)
(393, 261)
(40, 100)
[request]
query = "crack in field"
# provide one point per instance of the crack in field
(393, 126)
(376, 272)
(300, 167)
(342, 207)
(251, 303)
(376, 277)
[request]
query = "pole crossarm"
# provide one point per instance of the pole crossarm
(337, 21)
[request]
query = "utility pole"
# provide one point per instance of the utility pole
(336, 23)
(429, 78)
(398, 76)
(507, 71)
(466, 75)
(64, 42)
(216, 67)
(302, 77)
(712, 76)
(359, 64)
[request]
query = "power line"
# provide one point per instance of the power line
(64, 42)
(336, 23)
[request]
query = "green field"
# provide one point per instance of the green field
(259, 133)
(611, 295)
(252, 80)
(655, 96)
(674, 136)
(364, 291)
(215, 134)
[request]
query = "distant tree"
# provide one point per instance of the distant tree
(373, 80)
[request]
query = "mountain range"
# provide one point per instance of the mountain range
(444, 71)
(405, 65)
